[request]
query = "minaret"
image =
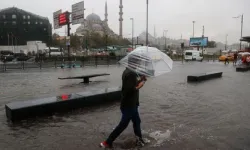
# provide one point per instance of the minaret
(106, 13)
(120, 19)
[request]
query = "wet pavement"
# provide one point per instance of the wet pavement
(175, 114)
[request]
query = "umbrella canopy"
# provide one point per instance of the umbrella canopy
(148, 61)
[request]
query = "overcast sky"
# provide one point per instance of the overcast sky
(176, 16)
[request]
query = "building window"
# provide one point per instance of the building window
(13, 16)
(4, 17)
(28, 22)
(24, 22)
(41, 22)
(13, 22)
(44, 29)
(24, 17)
(36, 22)
(28, 17)
(5, 23)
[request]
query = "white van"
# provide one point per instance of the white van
(192, 55)
(54, 51)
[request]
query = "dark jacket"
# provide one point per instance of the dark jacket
(130, 95)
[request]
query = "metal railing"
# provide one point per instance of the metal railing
(80, 61)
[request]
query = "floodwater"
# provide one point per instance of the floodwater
(175, 115)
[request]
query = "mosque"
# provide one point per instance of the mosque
(94, 24)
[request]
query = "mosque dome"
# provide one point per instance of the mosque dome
(93, 17)
(97, 27)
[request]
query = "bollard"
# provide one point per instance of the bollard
(40, 64)
(96, 61)
(108, 60)
(55, 62)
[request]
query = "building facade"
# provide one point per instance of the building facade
(17, 27)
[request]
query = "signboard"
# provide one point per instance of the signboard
(63, 18)
(78, 13)
(198, 41)
(68, 40)
(56, 19)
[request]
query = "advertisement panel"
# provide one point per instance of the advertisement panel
(198, 41)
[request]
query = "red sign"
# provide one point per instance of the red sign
(63, 18)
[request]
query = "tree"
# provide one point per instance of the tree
(211, 44)
(75, 41)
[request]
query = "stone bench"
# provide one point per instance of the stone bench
(203, 76)
(242, 68)
(85, 77)
(48, 106)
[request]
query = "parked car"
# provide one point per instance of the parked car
(6, 55)
(21, 57)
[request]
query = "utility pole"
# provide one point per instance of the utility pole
(147, 25)
(132, 19)
(226, 42)
(241, 30)
(193, 27)
(165, 37)
(203, 30)
(106, 42)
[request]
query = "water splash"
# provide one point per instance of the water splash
(160, 137)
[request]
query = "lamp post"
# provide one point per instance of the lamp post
(165, 36)
(226, 42)
(241, 27)
(147, 24)
(193, 27)
(132, 19)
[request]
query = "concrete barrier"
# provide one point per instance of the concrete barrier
(242, 68)
(203, 76)
(48, 106)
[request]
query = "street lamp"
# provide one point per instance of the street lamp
(241, 28)
(165, 36)
(132, 19)
(147, 25)
(226, 42)
(193, 27)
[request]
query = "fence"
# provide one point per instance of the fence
(58, 62)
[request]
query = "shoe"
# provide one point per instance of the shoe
(105, 145)
(140, 142)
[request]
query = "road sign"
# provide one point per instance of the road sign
(68, 40)
(63, 18)
(56, 19)
(78, 13)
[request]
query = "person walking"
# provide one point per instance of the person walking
(226, 60)
(235, 58)
(129, 105)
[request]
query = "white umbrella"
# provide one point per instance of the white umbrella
(148, 61)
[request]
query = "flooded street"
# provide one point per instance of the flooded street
(175, 114)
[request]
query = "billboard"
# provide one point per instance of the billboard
(78, 13)
(198, 41)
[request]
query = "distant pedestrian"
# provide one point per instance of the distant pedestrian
(235, 58)
(226, 60)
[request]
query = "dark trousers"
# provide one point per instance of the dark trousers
(127, 115)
